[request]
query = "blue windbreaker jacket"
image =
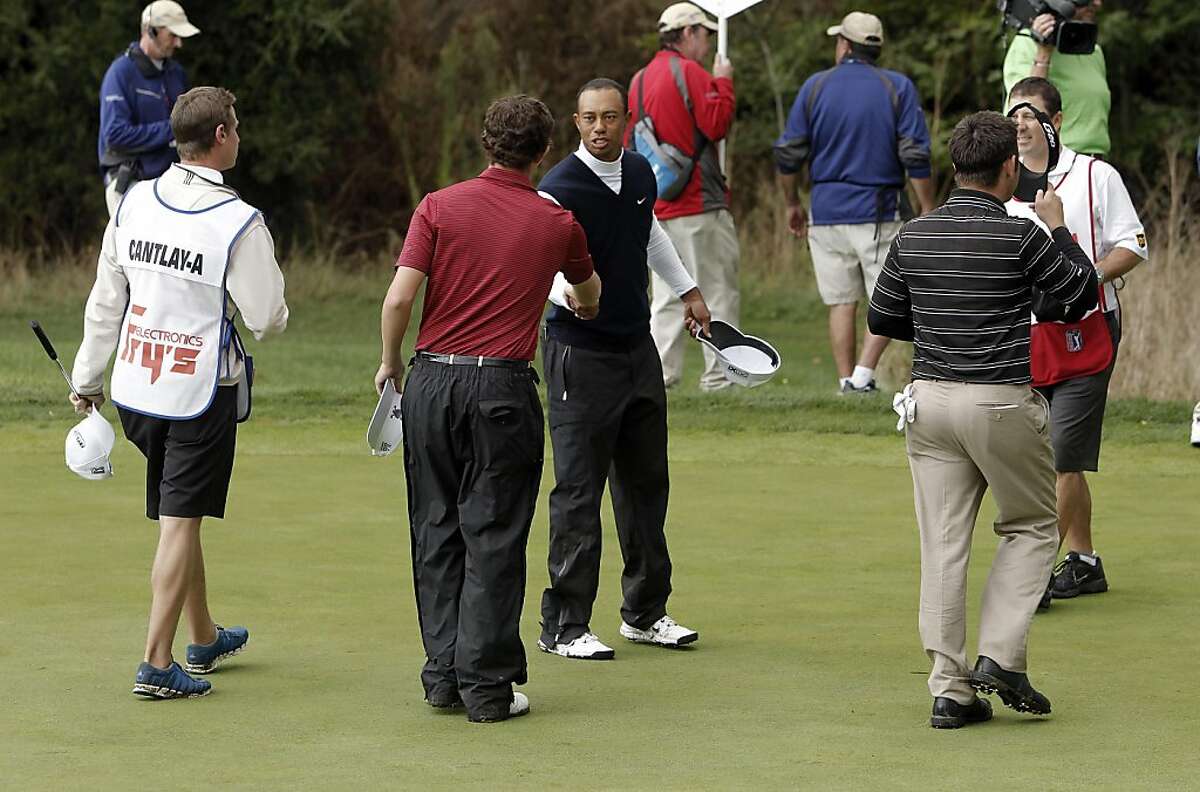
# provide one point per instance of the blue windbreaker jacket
(135, 112)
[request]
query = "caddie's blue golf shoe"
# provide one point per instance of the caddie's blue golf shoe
(203, 658)
(168, 683)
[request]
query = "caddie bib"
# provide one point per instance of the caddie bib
(1060, 351)
(175, 332)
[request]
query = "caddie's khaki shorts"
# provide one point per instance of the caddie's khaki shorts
(847, 258)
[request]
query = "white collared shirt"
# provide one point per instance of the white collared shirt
(254, 284)
(1098, 211)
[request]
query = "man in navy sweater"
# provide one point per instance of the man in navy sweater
(859, 128)
(608, 404)
(136, 97)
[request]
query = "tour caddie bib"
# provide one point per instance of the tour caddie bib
(1060, 351)
(174, 335)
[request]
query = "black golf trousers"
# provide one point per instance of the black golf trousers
(473, 440)
(608, 422)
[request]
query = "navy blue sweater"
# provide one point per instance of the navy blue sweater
(136, 98)
(618, 231)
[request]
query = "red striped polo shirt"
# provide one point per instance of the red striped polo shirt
(490, 247)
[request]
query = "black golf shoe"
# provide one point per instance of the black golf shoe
(1013, 687)
(949, 714)
(1047, 597)
(1074, 576)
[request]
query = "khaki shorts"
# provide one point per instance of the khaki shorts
(847, 259)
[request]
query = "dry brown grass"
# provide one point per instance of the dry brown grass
(1160, 352)
(36, 279)
(1160, 349)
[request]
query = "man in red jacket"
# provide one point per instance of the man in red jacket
(691, 110)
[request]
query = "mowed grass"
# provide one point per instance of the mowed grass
(795, 552)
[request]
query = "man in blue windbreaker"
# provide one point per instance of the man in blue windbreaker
(859, 130)
(136, 97)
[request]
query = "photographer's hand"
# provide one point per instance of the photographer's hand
(1042, 27)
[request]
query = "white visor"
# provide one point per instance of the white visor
(387, 426)
(88, 446)
(745, 359)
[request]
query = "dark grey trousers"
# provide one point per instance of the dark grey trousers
(473, 439)
(608, 422)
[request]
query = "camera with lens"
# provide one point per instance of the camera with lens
(1069, 36)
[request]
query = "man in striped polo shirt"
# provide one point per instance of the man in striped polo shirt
(958, 283)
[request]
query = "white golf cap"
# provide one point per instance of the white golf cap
(861, 28)
(683, 15)
(745, 359)
(386, 429)
(168, 14)
(88, 446)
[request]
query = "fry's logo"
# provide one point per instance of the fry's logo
(148, 347)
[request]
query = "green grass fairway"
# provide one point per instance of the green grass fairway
(796, 557)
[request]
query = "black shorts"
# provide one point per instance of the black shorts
(1077, 414)
(188, 463)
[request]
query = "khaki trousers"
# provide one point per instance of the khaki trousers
(966, 438)
(708, 245)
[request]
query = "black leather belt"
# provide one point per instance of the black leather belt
(473, 360)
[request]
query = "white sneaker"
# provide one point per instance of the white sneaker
(1196, 426)
(585, 647)
(664, 632)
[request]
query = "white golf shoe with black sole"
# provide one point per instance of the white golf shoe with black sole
(585, 647)
(664, 632)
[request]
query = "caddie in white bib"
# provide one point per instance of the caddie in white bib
(175, 330)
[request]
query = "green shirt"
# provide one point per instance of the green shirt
(1083, 82)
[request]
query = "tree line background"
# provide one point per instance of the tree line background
(351, 111)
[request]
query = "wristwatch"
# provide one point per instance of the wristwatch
(1099, 274)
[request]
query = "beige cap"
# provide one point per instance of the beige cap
(860, 28)
(683, 15)
(168, 14)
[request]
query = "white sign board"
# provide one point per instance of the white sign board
(723, 9)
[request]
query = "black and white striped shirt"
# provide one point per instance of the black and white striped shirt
(958, 283)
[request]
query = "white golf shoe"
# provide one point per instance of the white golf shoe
(585, 647)
(664, 632)
(1196, 426)
(519, 705)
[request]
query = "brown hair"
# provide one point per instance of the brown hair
(516, 130)
(1042, 89)
(980, 145)
(671, 38)
(196, 116)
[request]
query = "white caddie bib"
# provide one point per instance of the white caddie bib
(174, 333)
(1081, 211)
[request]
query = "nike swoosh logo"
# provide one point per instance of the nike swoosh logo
(641, 201)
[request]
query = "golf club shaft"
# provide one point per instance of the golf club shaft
(52, 354)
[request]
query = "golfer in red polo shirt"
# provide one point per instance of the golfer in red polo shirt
(473, 429)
